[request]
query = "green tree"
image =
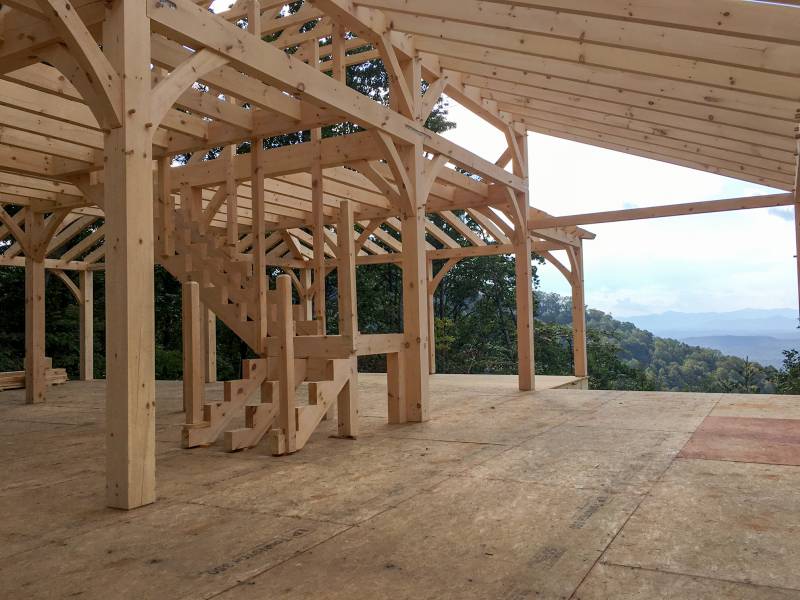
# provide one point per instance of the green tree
(788, 378)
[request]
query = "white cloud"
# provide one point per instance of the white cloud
(782, 212)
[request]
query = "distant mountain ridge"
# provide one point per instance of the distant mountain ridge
(648, 361)
(779, 323)
(760, 335)
(765, 350)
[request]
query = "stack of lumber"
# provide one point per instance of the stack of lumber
(14, 380)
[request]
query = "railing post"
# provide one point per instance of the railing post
(284, 440)
(193, 372)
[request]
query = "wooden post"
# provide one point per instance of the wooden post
(318, 230)
(286, 391)
(347, 405)
(518, 144)
(193, 346)
(130, 390)
(254, 17)
(396, 387)
(797, 244)
(580, 360)
(338, 50)
(415, 294)
(405, 96)
(258, 225)
(232, 201)
(346, 261)
(797, 207)
(259, 239)
(86, 325)
(209, 343)
(166, 207)
(307, 297)
(524, 299)
(35, 379)
(431, 323)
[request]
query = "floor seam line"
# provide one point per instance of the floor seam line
(740, 462)
(279, 563)
(704, 577)
(250, 511)
(644, 497)
(416, 439)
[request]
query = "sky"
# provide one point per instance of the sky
(698, 263)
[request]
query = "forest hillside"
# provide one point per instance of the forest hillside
(475, 326)
(622, 356)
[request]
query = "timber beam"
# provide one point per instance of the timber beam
(538, 223)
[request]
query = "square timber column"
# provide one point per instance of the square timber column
(347, 401)
(35, 377)
(194, 373)
(130, 390)
(415, 293)
(518, 143)
(579, 355)
(524, 298)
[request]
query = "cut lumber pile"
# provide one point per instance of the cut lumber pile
(15, 380)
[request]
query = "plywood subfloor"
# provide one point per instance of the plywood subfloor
(503, 494)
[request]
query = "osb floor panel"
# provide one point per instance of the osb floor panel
(502, 494)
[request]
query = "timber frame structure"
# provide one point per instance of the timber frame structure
(97, 98)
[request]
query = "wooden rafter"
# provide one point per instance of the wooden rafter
(103, 79)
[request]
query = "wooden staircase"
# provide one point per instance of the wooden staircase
(266, 394)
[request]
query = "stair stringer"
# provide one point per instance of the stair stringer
(326, 393)
(217, 415)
